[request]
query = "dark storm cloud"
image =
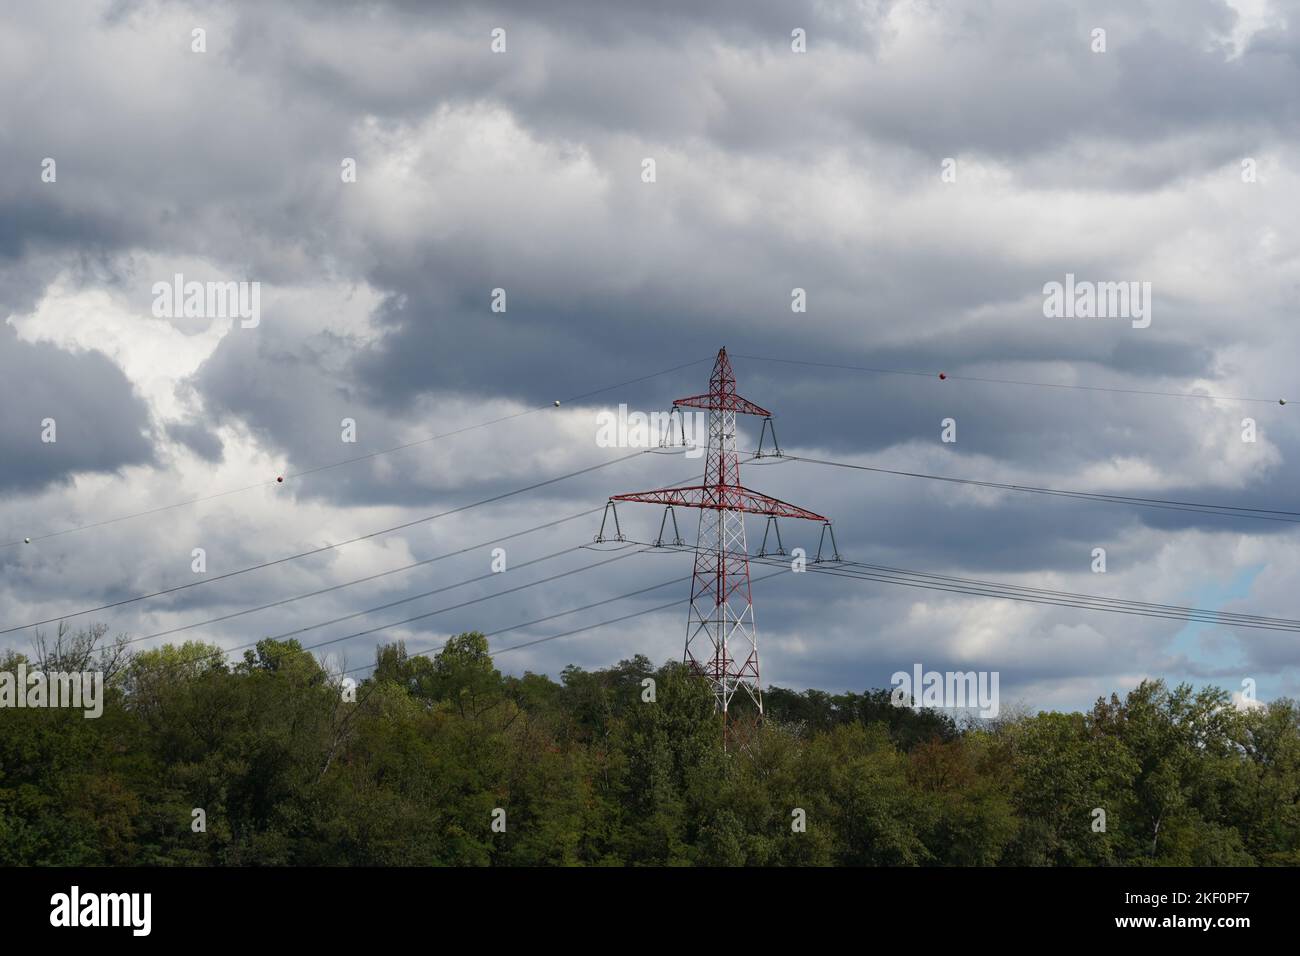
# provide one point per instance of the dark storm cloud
(776, 170)
(100, 423)
(1005, 79)
(450, 341)
(29, 224)
(199, 439)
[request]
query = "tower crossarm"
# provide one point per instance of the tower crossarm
(723, 402)
(722, 498)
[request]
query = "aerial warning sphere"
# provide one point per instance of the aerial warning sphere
(27, 540)
(557, 403)
(279, 477)
(943, 376)
(1281, 401)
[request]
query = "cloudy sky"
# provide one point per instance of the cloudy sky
(921, 171)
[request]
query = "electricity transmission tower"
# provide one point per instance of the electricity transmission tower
(721, 641)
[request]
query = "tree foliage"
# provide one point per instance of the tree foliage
(594, 770)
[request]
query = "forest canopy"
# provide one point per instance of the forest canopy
(442, 760)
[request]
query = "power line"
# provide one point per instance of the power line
(222, 652)
(1220, 616)
(478, 600)
(367, 578)
(1232, 511)
(329, 547)
(345, 461)
(1010, 381)
(382, 574)
(1012, 592)
(1193, 615)
(589, 627)
(551, 617)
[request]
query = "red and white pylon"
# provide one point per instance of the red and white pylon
(721, 639)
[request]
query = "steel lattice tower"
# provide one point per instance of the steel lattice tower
(721, 640)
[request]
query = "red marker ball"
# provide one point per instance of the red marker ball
(279, 477)
(943, 376)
